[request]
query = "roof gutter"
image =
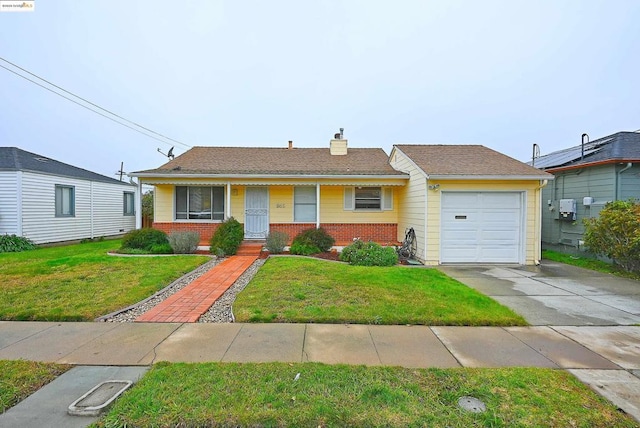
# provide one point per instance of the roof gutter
(271, 176)
(590, 164)
(491, 177)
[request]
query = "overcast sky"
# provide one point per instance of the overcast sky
(504, 74)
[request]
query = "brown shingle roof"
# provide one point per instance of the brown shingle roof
(277, 161)
(467, 160)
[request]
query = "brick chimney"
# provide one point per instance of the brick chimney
(290, 144)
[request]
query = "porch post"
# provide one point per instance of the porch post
(138, 204)
(317, 205)
(227, 202)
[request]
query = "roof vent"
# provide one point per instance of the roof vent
(42, 159)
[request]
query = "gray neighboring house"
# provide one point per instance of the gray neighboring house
(49, 201)
(587, 177)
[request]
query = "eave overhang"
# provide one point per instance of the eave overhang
(490, 177)
(275, 179)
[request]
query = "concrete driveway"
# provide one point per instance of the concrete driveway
(555, 293)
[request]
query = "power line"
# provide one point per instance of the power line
(89, 102)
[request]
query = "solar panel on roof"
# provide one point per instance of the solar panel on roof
(564, 157)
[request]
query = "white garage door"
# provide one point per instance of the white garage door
(481, 227)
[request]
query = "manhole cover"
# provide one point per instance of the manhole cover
(98, 398)
(471, 404)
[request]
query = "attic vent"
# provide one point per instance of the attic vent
(42, 159)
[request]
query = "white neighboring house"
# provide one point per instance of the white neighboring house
(49, 201)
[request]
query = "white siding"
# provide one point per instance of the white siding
(108, 210)
(104, 200)
(9, 202)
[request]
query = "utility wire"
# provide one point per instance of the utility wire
(89, 102)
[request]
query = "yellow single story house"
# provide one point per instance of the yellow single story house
(350, 192)
(356, 193)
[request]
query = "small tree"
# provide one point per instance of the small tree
(147, 205)
(616, 234)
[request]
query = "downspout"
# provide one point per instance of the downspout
(539, 222)
(619, 181)
(317, 205)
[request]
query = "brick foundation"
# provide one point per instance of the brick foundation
(343, 233)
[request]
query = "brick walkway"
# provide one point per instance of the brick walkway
(188, 304)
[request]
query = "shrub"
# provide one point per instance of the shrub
(184, 242)
(303, 249)
(144, 239)
(362, 253)
(317, 238)
(616, 234)
(276, 241)
(15, 244)
(227, 237)
(161, 249)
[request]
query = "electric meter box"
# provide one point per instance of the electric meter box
(587, 201)
(567, 209)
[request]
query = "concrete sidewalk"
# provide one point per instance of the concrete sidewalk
(130, 344)
(607, 358)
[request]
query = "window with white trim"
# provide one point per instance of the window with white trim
(199, 202)
(367, 198)
(363, 198)
(304, 204)
(128, 199)
(65, 201)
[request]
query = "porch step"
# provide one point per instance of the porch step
(250, 248)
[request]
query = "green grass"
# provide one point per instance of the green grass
(19, 379)
(266, 395)
(81, 282)
(588, 263)
(300, 290)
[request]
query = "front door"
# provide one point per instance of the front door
(256, 213)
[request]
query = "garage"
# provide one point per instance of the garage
(482, 227)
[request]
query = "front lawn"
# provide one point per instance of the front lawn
(81, 282)
(268, 395)
(303, 290)
(19, 379)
